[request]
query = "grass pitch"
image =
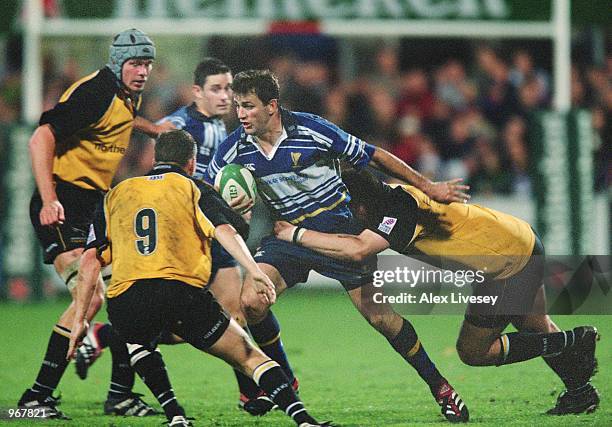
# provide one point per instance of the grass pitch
(348, 373)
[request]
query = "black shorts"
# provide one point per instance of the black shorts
(79, 208)
(516, 294)
(148, 307)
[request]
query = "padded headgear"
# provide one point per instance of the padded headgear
(129, 44)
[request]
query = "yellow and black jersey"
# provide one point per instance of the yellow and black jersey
(472, 235)
(160, 226)
(92, 124)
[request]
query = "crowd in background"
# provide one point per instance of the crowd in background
(456, 119)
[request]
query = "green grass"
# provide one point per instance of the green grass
(347, 372)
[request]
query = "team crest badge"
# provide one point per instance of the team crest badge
(295, 158)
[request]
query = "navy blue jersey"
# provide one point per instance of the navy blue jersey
(208, 133)
(300, 179)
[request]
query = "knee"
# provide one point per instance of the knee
(469, 353)
(253, 307)
(234, 308)
(382, 323)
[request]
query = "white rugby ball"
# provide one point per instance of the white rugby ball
(233, 181)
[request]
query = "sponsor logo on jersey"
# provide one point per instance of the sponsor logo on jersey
(109, 148)
(250, 166)
(387, 224)
(155, 177)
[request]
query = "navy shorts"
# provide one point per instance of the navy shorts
(220, 259)
(295, 262)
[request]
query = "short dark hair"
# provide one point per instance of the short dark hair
(175, 146)
(208, 67)
(262, 83)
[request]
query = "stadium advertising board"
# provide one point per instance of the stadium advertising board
(523, 10)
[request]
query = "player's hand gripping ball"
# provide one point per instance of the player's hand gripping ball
(234, 182)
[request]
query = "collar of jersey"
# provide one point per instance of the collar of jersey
(278, 142)
(289, 122)
(194, 113)
(166, 168)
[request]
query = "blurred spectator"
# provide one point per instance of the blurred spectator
(497, 97)
(437, 126)
(387, 71)
(453, 87)
(460, 141)
(335, 106)
(578, 91)
(416, 97)
(429, 162)
(383, 115)
(489, 176)
(464, 118)
(164, 90)
(305, 92)
(602, 123)
(529, 97)
(597, 85)
(283, 66)
(523, 69)
(514, 144)
(408, 148)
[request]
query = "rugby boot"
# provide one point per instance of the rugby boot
(452, 406)
(583, 400)
(130, 405)
(44, 406)
(261, 404)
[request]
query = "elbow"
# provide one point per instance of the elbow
(358, 255)
(33, 144)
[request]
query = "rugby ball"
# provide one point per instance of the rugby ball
(233, 180)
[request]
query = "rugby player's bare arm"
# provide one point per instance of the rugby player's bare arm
(89, 271)
(443, 191)
(42, 151)
(346, 247)
(234, 244)
(145, 126)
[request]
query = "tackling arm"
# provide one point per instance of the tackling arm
(89, 271)
(346, 247)
(444, 191)
(234, 244)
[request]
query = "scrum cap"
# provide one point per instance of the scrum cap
(129, 44)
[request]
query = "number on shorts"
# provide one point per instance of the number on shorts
(145, 227)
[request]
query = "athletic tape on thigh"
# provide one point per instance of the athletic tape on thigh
(70, 274)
